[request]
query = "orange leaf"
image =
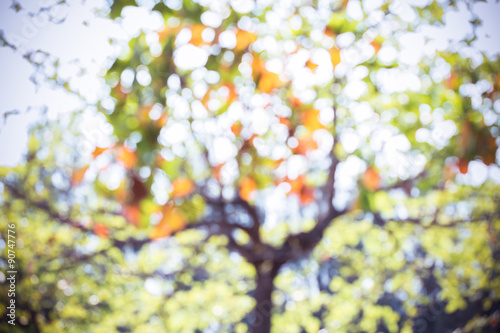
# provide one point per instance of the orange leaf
(311, 65)
(162, 120)
(330, 32)
(206, 99)
(335, 56)
(297, 184)
(269, 81)
(196, 31)
(78, 174)
(371, 179)
(306, 144)
(132, 214)
(285, 121)
(303, 191)
(377, 46)
(172, 221)
(236, 128)
(306, 195)
(296, 102)
(101, 230)
(244, 39)
(310, 119)
(247, 188)
(127, 157)
(98, 151)
(452, 81)
(232, 93)
(216, 171)
(167, 32)
(182, 187)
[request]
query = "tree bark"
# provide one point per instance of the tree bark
(261, 314)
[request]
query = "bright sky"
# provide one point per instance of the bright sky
(82, 41)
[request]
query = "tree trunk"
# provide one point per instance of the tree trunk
(261, 314)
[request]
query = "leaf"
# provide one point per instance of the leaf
(452, 81)
(296, 184)
(167, 32)
(98, 151)
(126, 157)
(132, 214)
(248, 186)
(269, 81)
(301, 189)
(371, 179)
(78, 175)
(306, 144)
(244, 39)
(216, 171)
(172, 221)
(310, 119)
(307, 195)
(196, 34)
(236, 128)
(232, 96)
(330, 32)
(335, 56)
(311, 65)
(101, 230)
(182, 187)
(377, 46)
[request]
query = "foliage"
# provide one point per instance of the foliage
(262, 168)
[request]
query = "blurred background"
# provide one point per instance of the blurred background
(250, 166)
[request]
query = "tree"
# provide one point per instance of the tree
(265, 175)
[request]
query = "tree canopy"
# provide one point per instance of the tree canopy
(261, 166)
